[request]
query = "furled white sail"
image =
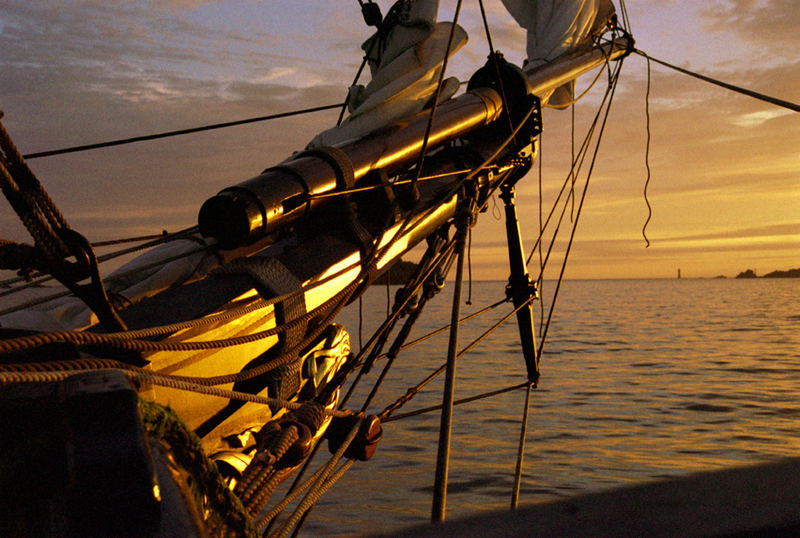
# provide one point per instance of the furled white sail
(558, 27)
(405, 58)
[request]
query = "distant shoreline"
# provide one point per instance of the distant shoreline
(402, 270)
(750, 273)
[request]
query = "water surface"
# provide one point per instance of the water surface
(641, 380)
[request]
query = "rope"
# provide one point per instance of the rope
(575, 169)
(494, 56)
(321, 486)
(610, 97)
(411, 392)
(30, 201)
(521, 449)
(455, 402)
(47, 299)
(264, 519)
(435, 104)
(179, 132)
(163, 238)
(647, 156)
(388, 322)
(130, 340)
(142, 376)
(738, 89)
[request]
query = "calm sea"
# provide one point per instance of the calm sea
(641, 380)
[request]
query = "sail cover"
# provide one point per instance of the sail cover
(405, 58)
(558, 27)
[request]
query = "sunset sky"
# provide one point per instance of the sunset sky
(725, 186)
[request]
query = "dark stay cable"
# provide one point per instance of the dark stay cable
(166, 134)
(738, 89)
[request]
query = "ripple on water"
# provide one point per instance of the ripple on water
(708, 408)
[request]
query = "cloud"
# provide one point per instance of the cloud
(766, 23)
(89, 71)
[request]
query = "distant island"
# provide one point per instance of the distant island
(791, 273)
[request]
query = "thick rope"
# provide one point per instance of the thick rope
(738, 89)
(7, 377)
(312, 496)
(264, 519)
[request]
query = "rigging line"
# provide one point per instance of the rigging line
(587, 90)
(521, 449)
(445, 327)
(47, 299)
(405, 330)
(100, 259)
(540, 179)
(166, 238)
(442, 260)
(557, 230)
(610, 94)
(577, 163)
(738, 89)
(266, 518)
(538, 244)
(367, 55)
(111, 242)
(330, 481)
(396, 405)
(486, 27)
(411, 392)
(398, 183)
(355, 81)
(435, 103)
(647, 156)
(540, 279)
(360, 321)
(625, 20)
(461, 401)
(494, 58)
(388, 322)
(311, 497)
(572, 159)
(178, 132)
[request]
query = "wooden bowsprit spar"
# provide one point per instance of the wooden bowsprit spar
(244, 348)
